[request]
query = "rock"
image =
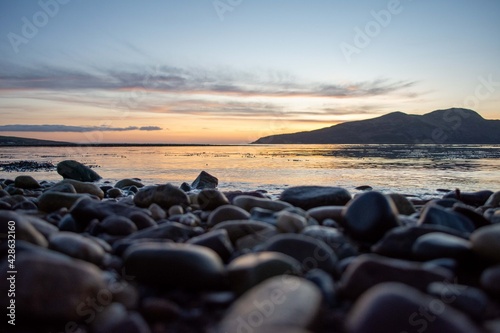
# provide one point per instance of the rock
(157, 213)
(363, 188)
(77, 246)
(86, 210)
(52, 201)
(403, 205)
(478, 219)
(307, 197)
(238, 229)
(493, 200)
(227, 213)
(168, 230)
(62, 187)
(156, 308)
(26, 182)
(117, 225)
(326, 212)
(248, 202)
(216, 240)
(121, 184)
(114, 193)
(325, 283)
(275, 305)
(115, 319)
(25, 205)
(290, 222)
(45, 277)
(489, 280)
(251, 269)
(24, 230)
(368, 270)
(210, 199)
(437, 215)
(164, 195)
(75, 170)
(470, 300)
(485, 242)
(333, 238)
(398, 242)
(255, 240)
(470, 198)
(174, 266)
(175, 210)
(205, 180)
(82, 187)
(142, 220)
(369, 216)
(231, 195)
(185, 187)
(309, 252)
(437, 245)
(404, 309)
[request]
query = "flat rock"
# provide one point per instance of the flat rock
(75, 170)
(368, 217)
(52, 286)
(26, 182)
(204, 180)
(394, 307)
(77, 246)
(307, 197)
(164, 195)
(486, 242)
(437, 245)
(368, 270)
(251, 269)
(174, 266)
(276, 305)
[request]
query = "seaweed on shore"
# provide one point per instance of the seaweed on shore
(23, 166)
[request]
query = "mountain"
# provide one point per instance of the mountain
(13, 141)
(455, 125)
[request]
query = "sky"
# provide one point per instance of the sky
(231, 71)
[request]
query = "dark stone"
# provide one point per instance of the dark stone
(238, 229)
(121, 184)
(205, 181)
(114, 193)
(476, 218)
(231, 195)
(470, 198)
(367, 270)
(333, 238)
(403, 205)
(26, 182)
(168, 230)
(77, 171)
(142, 220)
(485, 242)
(307, 197)
(52, 201)
(326, 212)
(247, 202)
(77, 246)
(25, 205)
(364, 188)
(186, 187)
(24, 230)
(489, 281)
(85, 210)
(210, 199)
(174, 266)
(437, 215)
(165, 196)
(369, 216)
(216, 240)
(437, 245)
(117, 225)
(394, 307)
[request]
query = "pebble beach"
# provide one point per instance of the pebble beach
(128, 256)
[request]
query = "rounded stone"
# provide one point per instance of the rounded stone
(210, 199)
(238, 229)
(486, 242)
(77, 246)
(117, 225)
(333, 238)
(247, 202)
(470, 198)
(493, 200)
(114, 193)
(290, 222)
(75, 170)
(174, 266)
(369, 217)
(83, 187)
(434, 214)
(26, 182)
(326, 212)
(165, 196)
(121, 184)
(403, 205)
(437, 245)
(175, 210)
(307, 197)
(52, 201)
(489, 280)
(24, 230)
(227, 213)
(216, 240)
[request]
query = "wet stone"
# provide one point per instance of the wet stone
(83, 187)
(26, 182)
(165, 196)
(77, 246)
(290, 222)
(227, 213)
(333, 238)
(436, 245)
(52, 201)
(127, 182)
(326, 212)
(486, 242)
(75, 170)
(470, 198)
(216, 240)
(437, 215)
(248, 202)
(403, 205)
(142, 220)
(238, 229)
(204, 181)
(210, 199)
(307, 197)
(114, 193)
(493, 200)
(117, 225)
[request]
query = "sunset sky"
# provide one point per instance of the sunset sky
(231, 71)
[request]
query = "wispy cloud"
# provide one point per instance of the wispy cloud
(64, 128)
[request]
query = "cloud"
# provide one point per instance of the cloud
(65, 128)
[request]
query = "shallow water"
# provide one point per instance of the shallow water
(411, 169)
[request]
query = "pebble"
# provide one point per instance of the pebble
(51, 286)
(82, 187)
(227, 213)
(275, 305)
(204, 181)
(238, 229)
(175, 265)
(216, 240)
(290, 223)
(333, 238)
(63, 188)
(307, 197)
(175, 210)
(434, 214)
(326, 212)
(169, 230)
(127, 182)
(142, 220)
(368, 270)
(75, 170)
(489, 281)
(247, 202)
(24, 230)
(486, 242)
(493, 200)
(157, 213)
(437, 245)
(117, 225)
(210, 199)
(52, 201)
(26, 182)
(114, 193)
(86, 210)
(394, 307)
(77, 246)
(165, 196)
(403, 205)
(368, 217)
(309, 252)
(470, 198)
(251, 269)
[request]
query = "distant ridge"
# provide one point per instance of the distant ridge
(15, 141)
(450, 126)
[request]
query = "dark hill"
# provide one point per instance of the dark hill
(17, 141)
(459, 126)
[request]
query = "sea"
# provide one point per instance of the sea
(424, 171)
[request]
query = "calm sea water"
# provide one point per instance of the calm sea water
(418, 170)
